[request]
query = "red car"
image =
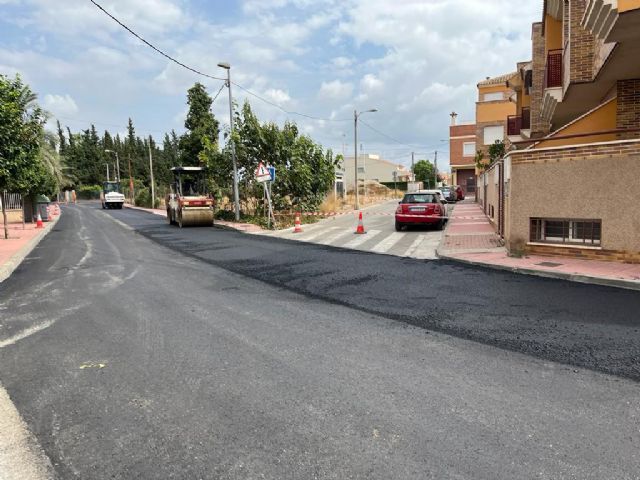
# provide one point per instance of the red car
(421, 209)
(459, 192)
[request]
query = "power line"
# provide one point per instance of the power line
(394, 139)
(198, 72)
(153, 46)
(289, 112)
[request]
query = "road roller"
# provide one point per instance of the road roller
(188, 204)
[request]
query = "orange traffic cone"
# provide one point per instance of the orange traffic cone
(360, 228)
(39, 222)
(298, 228)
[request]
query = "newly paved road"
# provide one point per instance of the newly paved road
(153, 352)
(416, 242)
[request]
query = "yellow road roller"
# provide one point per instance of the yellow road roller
(187, 202)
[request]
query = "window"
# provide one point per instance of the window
(469, 149)
(579, 232)
(360, 169)
(490, 97)
(493, 134)
(420, 198)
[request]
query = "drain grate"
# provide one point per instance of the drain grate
(549, 264)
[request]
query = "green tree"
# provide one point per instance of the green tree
(424, 172)
(200, 124)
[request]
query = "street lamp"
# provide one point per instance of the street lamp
(356, 115)
(236, 194)
(117, 164)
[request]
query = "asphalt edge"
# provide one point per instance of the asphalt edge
(17, 258)
(572, 277)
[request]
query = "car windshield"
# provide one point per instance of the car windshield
(420, 198)
(110, 187)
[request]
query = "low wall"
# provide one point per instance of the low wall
(594, 181)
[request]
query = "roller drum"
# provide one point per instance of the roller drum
(196, 217)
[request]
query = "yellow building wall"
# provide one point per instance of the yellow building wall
(626, 5)
(491, 112)
(604, 118)
(552, 34)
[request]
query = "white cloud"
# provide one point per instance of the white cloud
(61, 105)
(335, 90)
(341, 62)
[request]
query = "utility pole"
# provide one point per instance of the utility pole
(132, 193)
(236, 194)
(413, 175)
(153, 187)
(107, 164)
(435, 165)
(355, 147)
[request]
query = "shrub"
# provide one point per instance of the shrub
(89, 192)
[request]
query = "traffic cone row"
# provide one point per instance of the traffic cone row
(298, 227)
(360, 229)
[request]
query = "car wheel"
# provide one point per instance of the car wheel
(399, 226)
(440, 225)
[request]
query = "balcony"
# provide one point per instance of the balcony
(553, 69)
(552, 84)
(518, 125)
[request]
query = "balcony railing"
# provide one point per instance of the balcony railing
(514, 124)
(526, 118)
(553, 70)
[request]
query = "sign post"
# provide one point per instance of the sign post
(265, 176)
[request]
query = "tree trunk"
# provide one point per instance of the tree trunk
(4, 215)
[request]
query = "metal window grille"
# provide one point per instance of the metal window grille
(565, 231)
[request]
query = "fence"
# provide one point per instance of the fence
(13, 201)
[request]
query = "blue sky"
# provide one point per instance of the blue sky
(415, 61)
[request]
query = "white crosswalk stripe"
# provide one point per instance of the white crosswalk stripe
(326, 240)
(414, 246)
(360, 239)
(308, 237)
(386, 244)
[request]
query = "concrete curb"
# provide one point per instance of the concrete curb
(17, 258)
(572, 277)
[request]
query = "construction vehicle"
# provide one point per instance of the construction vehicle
(188, 204)
(110, 196)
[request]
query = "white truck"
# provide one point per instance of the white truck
(111, 196)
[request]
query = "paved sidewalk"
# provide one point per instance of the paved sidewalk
(241, 227)
(469, 230)
(19, 244)
(470, 238)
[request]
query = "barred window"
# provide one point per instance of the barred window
(581, 232)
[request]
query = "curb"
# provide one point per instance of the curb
(16, 259)
(572, 277)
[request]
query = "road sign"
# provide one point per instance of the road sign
(272, 173)
(262, 173)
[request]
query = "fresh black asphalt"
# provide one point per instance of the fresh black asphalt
(151, 352)
(588, 326)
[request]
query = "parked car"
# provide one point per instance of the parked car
(424, 207)
(459, 192)
(449, 194)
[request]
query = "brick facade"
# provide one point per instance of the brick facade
(456, 141)
(628, 109)
(584, 253)
(581, 45)
(539, 128)
(578, 152)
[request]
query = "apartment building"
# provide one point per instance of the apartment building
(569, 183)
(493, 108)
(462, 152)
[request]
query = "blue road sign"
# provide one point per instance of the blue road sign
(272, 172)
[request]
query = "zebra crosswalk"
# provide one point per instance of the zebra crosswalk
(381, 236)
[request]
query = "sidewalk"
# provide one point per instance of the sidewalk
(470, 239)
(240, 227)
(20, 243)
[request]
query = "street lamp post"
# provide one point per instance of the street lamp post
(236, 194)
(117, 164)
(107, 164)
(356, 115)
